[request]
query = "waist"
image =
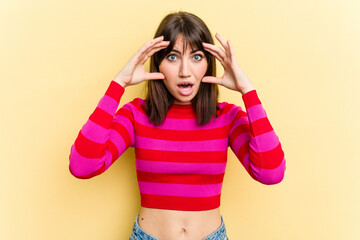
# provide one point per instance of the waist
(175, 224)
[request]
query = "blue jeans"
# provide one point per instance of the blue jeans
(139, 234)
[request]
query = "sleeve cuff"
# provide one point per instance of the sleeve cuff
(250, 99)
(115, 91)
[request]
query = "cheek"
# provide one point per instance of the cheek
(165, 69)
(202, 70)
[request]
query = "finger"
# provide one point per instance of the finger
(232, 51)
(222, 42)
(214, 51)
(152, 50)
(147, 45)
(210, 79)
(154, 76)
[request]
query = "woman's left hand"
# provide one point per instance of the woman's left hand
(233, 77)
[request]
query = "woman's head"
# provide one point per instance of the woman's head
(180, 65)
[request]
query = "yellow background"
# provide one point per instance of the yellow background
(57, 59)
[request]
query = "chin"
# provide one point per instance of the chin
(184, 100)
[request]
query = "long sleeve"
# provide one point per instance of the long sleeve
(255, 143)
(104, 137)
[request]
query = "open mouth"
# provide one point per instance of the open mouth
(185, 88)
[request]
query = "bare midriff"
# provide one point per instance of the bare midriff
(182, 225)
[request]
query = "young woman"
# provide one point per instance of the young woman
(180, 132)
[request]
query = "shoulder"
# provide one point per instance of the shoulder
(228, 109)
(135, 105)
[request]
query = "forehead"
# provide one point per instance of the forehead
(182, 44)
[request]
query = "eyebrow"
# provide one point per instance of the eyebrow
(175, 50)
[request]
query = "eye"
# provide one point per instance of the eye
(198, 57)
(171, 57)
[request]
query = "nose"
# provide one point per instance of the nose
(184, 71)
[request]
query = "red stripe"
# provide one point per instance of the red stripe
(181, 114)
(187, 113)
(180, 178)
(243, 150)
(266, 160)
(138, 106)
(180, 203)
(261, 126)
(181, 157)
(269, 159)
(125, 113)
(242, 114)
(225, 109)
(89, 149)
(123, 133)
(115, 91)
(251, 99)
(237, 131)
(114, 151)
(101, 118)
(177, 112)
(182, 135)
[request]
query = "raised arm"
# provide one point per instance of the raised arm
(252, 137)
(255, 143)
(106, 135)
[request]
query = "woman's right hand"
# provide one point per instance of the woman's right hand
(133, 72)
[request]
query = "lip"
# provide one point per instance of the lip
(185, 82)
(185, 91)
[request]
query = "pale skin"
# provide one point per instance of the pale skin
(173, 224)
(234, 78)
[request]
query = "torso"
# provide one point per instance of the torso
(181, 225)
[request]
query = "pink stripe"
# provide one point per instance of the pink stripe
(238, 122)
(271, 176)
(94, 132)
(245, 161)
(80, 165)
(108, 104)
(265, 142)
(265, 176)
(118, 141)
(128, 125)
(256, 112)
(184, 124)
(188, 146)
(249, 166)
(239, 141)
(171, 167)
(180, 190)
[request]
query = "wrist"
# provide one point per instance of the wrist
(246, 89)
(122, 83)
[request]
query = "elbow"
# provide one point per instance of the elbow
(77, 174)
(273, 176)
(80, 167)
(272, 180)
(82, 175)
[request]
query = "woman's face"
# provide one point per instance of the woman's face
(183, 72)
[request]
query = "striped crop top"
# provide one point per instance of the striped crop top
(179, 164)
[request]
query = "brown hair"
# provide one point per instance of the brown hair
(159, 99)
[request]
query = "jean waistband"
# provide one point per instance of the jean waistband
(140, 234)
